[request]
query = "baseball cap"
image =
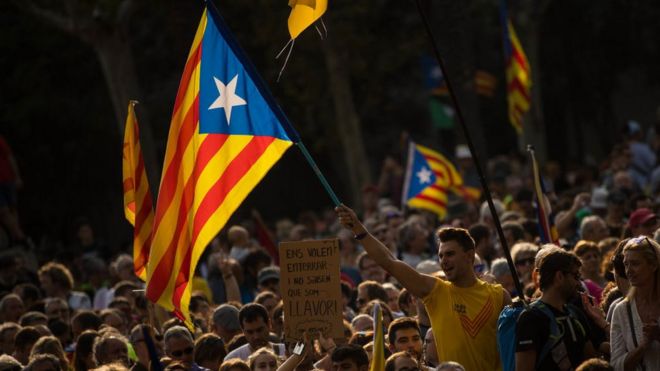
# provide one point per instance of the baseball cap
(640, 216)
(268, 273)
(226, 316)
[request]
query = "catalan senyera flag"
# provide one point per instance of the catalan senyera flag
(378, 358)
(429, 178)
(304, 13)
(225, 134)
(518, 74)
(547, 230)
(138, 204)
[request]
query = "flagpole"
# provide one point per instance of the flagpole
(265, 92)
(468, 139)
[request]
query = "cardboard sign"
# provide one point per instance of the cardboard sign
(311, 289)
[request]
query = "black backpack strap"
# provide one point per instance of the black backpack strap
(632, 330)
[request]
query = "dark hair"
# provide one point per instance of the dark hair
(460, 235)
(617, 259)
(84, 347)
(353, 352)
(251, 312)
(479, 231)
(209, 347)
(404, 299)
(236, 342)
(530, 227)
(196, 300)
(44, 357)
(556, 261)
(31, 318)
(234, 363)
(360, 259)
(59, 274)
(361, 338)
(255, 257)
(390, 364)
(88, 320)
(375, 291)
(516, 230)
(594, 364)
(28, 292)
(26, 336)
(400, 324)
(583, 247)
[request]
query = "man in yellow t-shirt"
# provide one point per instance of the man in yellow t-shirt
(463, 309)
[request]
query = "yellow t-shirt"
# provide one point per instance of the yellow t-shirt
(464, 322)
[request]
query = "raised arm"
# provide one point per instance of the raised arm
(418, 284)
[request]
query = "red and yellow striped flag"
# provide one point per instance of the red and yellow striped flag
(518, 76)
(225, 134)
(138, 205)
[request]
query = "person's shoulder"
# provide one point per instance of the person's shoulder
(532, 315)
(241, 352)
(620, 308)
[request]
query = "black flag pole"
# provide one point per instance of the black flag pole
(475, 157)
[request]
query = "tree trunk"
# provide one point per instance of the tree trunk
(347, 121)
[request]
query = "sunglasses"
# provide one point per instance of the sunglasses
(179, 353)
(527, 261)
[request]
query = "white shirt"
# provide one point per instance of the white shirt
(621, 340)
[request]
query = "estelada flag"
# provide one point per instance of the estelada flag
(138, 205)
(226, 133)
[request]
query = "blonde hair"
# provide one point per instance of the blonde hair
(264, 350)
(650, 251)
(50, 345)
(523, 247)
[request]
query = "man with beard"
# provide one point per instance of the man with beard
(462, 305)
(255, 323)
(551, 334)
(404, 336)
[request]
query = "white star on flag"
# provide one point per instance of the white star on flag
(424, 175)
(227, 98)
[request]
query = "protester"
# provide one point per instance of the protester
(255, 323)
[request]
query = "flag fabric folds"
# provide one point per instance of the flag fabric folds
(138, 204)
(518, 74)
(484, 83)
(429, 178)
(547, 231)
(303, 14)
(225, 134)
(378, 357)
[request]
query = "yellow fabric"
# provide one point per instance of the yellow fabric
(378, 359)
(200, 284)
(304, 13)
(464, 322)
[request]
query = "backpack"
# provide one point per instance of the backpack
(506, 331)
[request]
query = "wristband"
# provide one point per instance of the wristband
(361, 236)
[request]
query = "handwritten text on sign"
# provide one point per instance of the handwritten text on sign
(311, 289)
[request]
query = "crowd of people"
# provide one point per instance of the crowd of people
(588, 301)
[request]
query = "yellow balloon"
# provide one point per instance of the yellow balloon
(304, 13)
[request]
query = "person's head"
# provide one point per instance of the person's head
(430, 351)
(139, 343)
(9, 363)
(523, 255)
(362, 322)
(55, 279)
(277, 320)
(209, 351)
(560, 270)
(450, 366)
(33, 319)
(50, 345)
(481, 234)
(350, 357)
(593, 228)
(85, 320)
(255, 324)
(392, 296)
(29, 293)
(589, 255)
(268, 299)
(456, 252)
(44, 362)
(499, 268)
(618, 268)
(83, 358)
(413, 237)
(115, 319)
(24, 340)
(268, 279)
(263, 360)
(57, 308)
(368, 291)
(11, 308)
(407, 303)
(123, 268)
(369, 269)
(595, 364)
(225, 322)
(255, 261)
(643, 222)
(402, 361)
(641, 257)
(8, 331)
(388, 317)
(111, 347)
(238, 236)
(513, 232)
(404, 335)
(235, 364)
(179, 344)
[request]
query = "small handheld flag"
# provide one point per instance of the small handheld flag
(548, 232)
(378, 358)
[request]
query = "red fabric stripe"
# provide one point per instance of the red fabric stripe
(438, 187)
(187, 74)
(518, 55)
(159, 281)
(516, 85)
(433, 200)
(444, 165)
(128, 185)
(214, 198)
(170, 179)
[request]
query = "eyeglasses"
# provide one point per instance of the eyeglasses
(179, 353)
(526, 261)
